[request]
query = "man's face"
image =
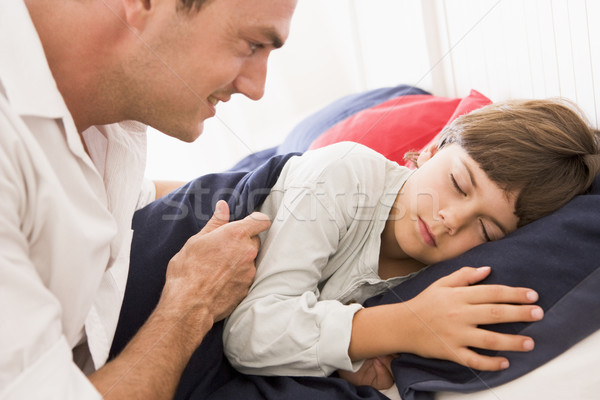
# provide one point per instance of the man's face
(188, 61)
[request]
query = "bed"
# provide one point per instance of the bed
(558, 256)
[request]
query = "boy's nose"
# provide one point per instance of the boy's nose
(453, 219)
(446, 221)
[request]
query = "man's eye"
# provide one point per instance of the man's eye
(456, 186)
(254, 47)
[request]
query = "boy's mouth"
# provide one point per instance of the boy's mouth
(426, 233)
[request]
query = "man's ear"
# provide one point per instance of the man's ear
(136, 13)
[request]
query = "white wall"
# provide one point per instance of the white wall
(518, 49)
(503, 48)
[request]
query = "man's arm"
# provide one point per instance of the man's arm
(151, 364)
(205, 281)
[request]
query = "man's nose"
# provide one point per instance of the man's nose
(251, 80)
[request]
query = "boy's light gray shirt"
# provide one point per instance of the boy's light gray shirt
(317, 262)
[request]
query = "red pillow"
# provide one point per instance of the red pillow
(402, 124)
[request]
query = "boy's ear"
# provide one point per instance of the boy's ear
(426, 154)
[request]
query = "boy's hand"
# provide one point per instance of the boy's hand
(448, 312)
(375, 372)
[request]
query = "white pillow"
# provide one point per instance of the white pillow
(572, 375)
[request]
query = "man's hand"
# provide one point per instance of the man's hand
(205, 281)
(215, 268)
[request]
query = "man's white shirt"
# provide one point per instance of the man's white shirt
(65, 222)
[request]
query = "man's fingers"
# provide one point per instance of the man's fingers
(254, 223)
(256, 241)
(220, 217)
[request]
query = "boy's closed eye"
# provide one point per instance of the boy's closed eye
(464, 183)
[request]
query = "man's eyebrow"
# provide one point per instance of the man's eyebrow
(472, 177)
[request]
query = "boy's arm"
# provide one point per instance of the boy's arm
(282, 327)
(442, 322)
(286, 326)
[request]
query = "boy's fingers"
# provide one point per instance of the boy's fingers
(480, 294)
(494, 341)
(473, 360)
(489, 294)
(464, 277)
(486, 314)
(489, 340)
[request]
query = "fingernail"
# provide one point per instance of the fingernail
(528, 344)
(483, 269)
(537, 313)
(260, 216)
(505, 364)
(533, 296)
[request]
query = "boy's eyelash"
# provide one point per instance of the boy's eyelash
(456, 185)
(485, 234)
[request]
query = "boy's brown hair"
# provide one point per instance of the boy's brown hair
(544, 149)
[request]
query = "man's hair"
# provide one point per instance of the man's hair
(543, 149)
(191, 5)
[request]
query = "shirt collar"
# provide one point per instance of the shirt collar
(26, 79)
(24, 71)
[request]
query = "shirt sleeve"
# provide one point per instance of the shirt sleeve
(147, 194)
(35, 359)
(282, 328)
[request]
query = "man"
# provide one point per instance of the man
(71, 176)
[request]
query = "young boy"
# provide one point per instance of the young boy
(348, 224)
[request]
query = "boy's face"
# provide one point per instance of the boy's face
(448, 206)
